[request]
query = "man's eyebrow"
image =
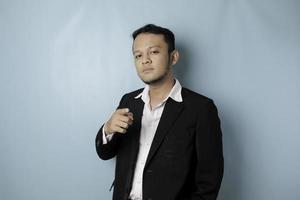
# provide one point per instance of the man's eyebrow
(155, 46)
(136, 51)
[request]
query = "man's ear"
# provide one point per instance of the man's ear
(174, 57)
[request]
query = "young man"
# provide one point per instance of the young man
(167, 139)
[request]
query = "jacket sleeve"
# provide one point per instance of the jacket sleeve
(210, 162)
(109, 150)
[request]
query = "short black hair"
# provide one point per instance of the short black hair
(151, 28)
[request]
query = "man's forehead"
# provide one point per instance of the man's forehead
(148, 40)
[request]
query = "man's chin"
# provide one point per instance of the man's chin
(147, 82)
(152, 81)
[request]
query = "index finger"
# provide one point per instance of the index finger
(123, 111)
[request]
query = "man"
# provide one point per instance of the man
(167, 139)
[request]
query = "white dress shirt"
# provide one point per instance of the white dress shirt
(150, 120)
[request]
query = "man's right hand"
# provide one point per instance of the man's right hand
(119, 122)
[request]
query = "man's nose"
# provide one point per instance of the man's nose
(146, 59)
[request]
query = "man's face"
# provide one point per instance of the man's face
(152, 60)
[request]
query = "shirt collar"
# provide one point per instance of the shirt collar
(175, 93)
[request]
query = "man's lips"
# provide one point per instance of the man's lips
(146, 70)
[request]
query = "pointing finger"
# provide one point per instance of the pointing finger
(123, 111)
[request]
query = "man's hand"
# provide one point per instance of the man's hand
(120, 120)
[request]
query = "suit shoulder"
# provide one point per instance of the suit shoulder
(190, 95)
(133, 93)
(198, 104)
(129, 96)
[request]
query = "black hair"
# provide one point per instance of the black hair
(151, 28)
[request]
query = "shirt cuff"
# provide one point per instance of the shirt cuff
(106, 138)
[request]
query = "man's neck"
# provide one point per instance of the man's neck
(159, 92)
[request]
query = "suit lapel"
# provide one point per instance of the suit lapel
(170, 114)
(137, 110)
(136, 106)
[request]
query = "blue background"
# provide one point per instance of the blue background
(64, 66)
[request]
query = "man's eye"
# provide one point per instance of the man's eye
(154, 52)
(137, 56)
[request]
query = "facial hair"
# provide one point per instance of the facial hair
(161, 77)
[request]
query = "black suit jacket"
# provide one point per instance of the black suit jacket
(185, 160)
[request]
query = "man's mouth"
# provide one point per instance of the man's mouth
(147, 70)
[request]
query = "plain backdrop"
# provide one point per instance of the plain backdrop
(64, 66)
